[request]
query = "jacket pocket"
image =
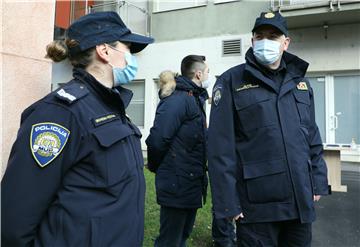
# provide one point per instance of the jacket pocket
(115, 156)
(267, 181)
(246, 98)
(255, 108)
(166, 181)
(190, 183)
(303, 102)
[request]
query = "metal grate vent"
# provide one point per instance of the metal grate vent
(231, 47)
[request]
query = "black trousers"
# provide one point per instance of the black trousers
(176, 225)
(290, 233)
(223, 232)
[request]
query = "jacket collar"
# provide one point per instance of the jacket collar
(295, 68)
(109, 95)
(185, 84)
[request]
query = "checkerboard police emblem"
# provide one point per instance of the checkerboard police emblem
(47, 140)
(302, 86)
(217, 95)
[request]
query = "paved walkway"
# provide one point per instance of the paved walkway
(338, 215)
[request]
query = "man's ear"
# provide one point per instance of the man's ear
(198, 74)
(287, 43)
(102, 52)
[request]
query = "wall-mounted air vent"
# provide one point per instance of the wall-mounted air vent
(231, 47)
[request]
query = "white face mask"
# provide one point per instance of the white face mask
(205, 84)
(266, 51)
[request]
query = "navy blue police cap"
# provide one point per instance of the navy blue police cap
(274, 19)
(104, 27)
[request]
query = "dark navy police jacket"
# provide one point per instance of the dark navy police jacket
(177, 146)
(265, 150)
(75, 173)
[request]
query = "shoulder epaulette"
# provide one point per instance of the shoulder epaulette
(72, 92)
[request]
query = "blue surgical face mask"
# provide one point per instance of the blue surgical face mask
(266, 51)
(127, 74)
(205, 84)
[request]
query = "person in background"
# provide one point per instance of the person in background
(177, 150)
(75, 173)
(265, 159)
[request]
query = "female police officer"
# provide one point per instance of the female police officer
(75, 173)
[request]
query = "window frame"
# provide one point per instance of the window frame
(137, 102)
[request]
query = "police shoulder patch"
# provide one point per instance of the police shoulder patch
(217, 95)
(47, 140)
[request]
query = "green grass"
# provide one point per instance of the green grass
(201, 234)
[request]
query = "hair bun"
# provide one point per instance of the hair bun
(57, 50)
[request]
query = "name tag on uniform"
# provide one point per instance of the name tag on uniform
(247, 86)
(104, 119)
(302, 86)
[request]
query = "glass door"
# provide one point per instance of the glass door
(347, 108)
(337, 106)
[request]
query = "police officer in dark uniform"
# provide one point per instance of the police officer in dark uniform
(75, 173)
(265, 159)
(177, 150)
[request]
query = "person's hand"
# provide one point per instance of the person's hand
(237, 217)
(317, 198)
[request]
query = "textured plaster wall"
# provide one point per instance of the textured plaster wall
(27, 27)
(336, 50)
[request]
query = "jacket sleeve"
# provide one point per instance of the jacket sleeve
(28, 190)
(170, 114)
(319, 169)
(223, 170)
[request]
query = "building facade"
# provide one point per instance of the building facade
(324, 33)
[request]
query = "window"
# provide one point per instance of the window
(136, 107)
(161, 5)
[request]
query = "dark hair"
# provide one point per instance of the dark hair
(190, 64)
(58, 50)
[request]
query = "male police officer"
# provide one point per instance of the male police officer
(265, 158)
